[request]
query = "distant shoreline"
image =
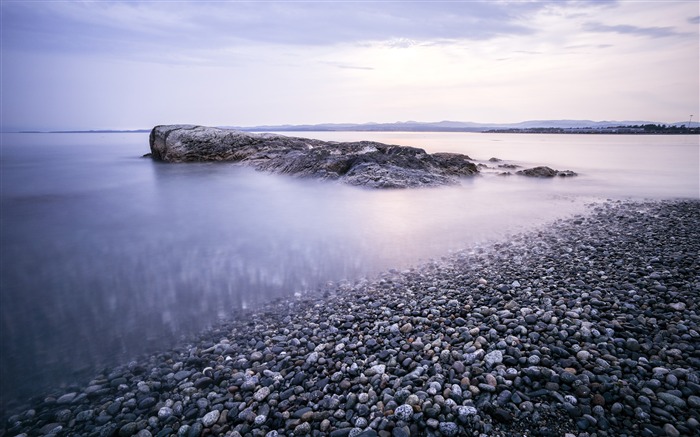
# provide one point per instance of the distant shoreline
(551, 131)
(587, 127)
(108, 131)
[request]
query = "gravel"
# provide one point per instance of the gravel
(588, 327)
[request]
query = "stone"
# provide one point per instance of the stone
(312, 358)
(261, 394)
(164, 413)
(583, 355)
(303, 428)
(210, 418)
(492, 358)
(465, 411)
(671, 430)
(256, 356)
(128, 429)
(449, 428)
(671, 399)
(375, 370)
(545, 172)
(66, 398)
(632, 344)
(147, 403)
(404, 412)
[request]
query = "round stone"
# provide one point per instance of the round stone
(261, 394)
(404, 412)
(164, 413)
(632, 344)
(465, 411)
(671, 430)
(210, 418)
(449, 428)
(303, 428)
(583, 355)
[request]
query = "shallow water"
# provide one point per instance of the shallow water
(106, 255)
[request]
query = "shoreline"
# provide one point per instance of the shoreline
(587, 326)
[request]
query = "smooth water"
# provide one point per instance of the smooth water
(106, 255)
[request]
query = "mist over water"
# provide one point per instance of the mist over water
(107, 255)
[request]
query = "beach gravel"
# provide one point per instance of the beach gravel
(588, 327)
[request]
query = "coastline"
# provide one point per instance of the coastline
(590, 325)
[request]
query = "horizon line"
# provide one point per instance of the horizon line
(349, 125)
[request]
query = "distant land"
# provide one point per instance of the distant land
(461, 126)
(531, 126)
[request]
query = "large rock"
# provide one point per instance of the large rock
(364, 163)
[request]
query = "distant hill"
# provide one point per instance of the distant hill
(449, 126)
(419, 126)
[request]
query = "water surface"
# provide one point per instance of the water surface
(107, 255)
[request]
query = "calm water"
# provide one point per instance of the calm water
(107, 255)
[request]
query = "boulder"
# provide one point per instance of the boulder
(545, 172)
(362, 163)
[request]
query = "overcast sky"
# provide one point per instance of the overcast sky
(135, 64)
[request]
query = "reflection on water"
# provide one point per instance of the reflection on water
(106, 255)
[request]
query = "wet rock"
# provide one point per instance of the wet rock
(364, 163)
(545, 172)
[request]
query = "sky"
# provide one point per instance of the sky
(134, 64)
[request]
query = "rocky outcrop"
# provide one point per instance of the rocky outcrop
(545, 172)
(362, 163)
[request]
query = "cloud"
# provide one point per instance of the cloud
(400, 43)
(254, 62)
(652, 32)
(694, 20)
(133, 27)
(528, 52)
(589, 46)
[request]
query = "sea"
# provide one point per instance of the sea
(106, 255)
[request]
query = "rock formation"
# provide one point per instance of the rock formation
(545, 172)
(362, 163)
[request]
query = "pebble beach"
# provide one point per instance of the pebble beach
(587, 327)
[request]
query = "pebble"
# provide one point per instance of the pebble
(449, 428)
(492, 358)
(671, 430)
(210, 418)
(578, 330)
(261, 394)
(583, 355)
(671, 399)
(404, 412)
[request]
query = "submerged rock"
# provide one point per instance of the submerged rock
(361, 163)
(545, 172)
